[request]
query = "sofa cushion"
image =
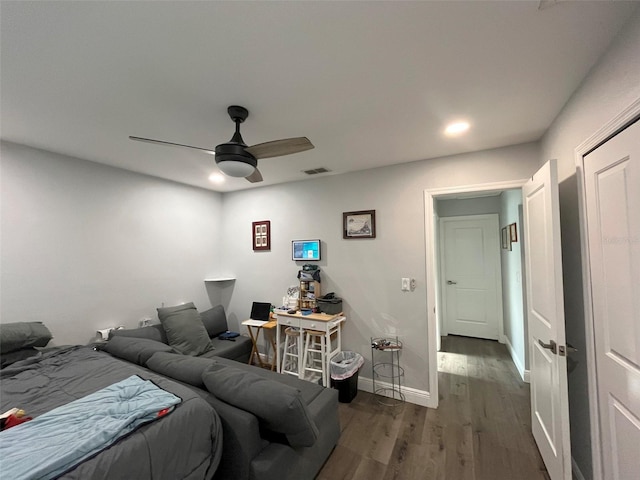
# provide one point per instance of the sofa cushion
(184, 328)
(15, 336)
(152, 332)
(238, 350)
(214, 320)
(279, 406)
(136, 350)
(184, 368)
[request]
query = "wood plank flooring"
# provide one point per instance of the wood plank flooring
(481, 430)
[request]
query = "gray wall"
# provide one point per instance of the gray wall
(512, 283)
(456, 207)
(367, 272)
(612, 85)
(86, 246)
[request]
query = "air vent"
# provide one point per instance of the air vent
(315, 171)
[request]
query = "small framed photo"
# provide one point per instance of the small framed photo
(261, 235)
(504, 235)
(513, 232)
(360, 224)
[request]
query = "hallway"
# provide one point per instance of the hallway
(481, 430)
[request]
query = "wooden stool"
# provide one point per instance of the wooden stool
(290, 356)
(315, 352)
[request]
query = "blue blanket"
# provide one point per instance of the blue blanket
(54, 442)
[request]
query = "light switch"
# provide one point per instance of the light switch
(406, 285)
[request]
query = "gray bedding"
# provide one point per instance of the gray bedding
(185, 444)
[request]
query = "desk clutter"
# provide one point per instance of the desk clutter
(308, 330)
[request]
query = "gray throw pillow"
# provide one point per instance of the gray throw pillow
(14, 336)
(184, 368)
(136, 350)
(185, 330)
(279, 406)
(215, 321)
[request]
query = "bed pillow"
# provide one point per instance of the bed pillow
(214, 320)
(185, 330)
(14, 336)
(184, 368)
(279, 406)
(10, 358)
(136, 350)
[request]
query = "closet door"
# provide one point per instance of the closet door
(612, 193)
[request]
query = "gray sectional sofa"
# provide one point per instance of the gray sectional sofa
(215, 323)
(274, 426)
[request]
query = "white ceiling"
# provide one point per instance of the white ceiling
(370, 83)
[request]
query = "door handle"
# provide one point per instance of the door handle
(549, 346)
(564, 351)
(449, 282)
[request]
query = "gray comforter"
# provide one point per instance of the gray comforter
(185, 444)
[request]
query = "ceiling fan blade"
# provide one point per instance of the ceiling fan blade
(255, 177)
(278, 148)
(171, 144)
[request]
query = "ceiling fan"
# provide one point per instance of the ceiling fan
(235, 158)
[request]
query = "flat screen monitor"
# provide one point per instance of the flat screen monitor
(306, 250)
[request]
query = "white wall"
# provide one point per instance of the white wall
(86, 246)
(367, 272)
(515, 329)
(611, 86)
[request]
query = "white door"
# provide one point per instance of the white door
(471, 276)
(545, 313)
(612, 191)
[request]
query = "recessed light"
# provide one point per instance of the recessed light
(216, 177)
(456, 128)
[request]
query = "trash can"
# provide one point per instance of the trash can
(344, 374)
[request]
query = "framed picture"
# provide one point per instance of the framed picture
(261, 235)
(513, 232)
(361, 224)
(505, 237)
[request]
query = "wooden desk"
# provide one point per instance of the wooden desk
(329, 324)
(258, 326)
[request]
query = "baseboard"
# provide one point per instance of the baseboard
(527, 376)
(524, 374)
(411, 395)
(577, 474)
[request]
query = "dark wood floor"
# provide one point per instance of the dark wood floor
(481, 430)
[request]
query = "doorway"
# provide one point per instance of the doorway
(436, 287)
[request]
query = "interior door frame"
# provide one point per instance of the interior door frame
(431, 261)
(443, 263)
(604, 133)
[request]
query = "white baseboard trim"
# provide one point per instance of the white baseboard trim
(577, 474)
(524, 374)
(411, 395)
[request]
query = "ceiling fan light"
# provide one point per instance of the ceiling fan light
(236, 169)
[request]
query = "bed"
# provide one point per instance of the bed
(184, 444)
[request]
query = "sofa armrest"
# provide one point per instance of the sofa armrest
(242, 441)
